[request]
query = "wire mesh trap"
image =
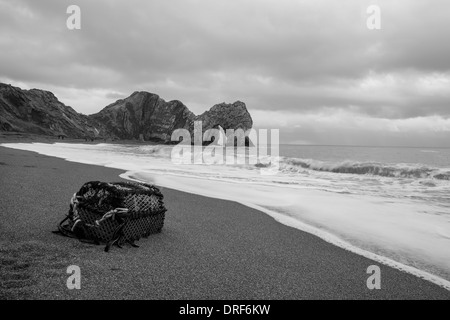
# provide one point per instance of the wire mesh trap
(114, 213)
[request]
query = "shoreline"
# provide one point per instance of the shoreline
(236, 252)
(315, 231)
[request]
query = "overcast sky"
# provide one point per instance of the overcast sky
(310, 68)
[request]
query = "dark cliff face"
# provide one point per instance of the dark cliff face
(228, 116)
(223, 116)
(147, 114)
(144, 113)
(141, 115)
(40, 112)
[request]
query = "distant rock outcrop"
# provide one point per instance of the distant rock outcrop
(146, 115)
(40, 112)
(143, 116)
(224, 116)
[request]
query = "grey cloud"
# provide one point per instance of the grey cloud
(115, 95)
(152, 39)
(204, 52)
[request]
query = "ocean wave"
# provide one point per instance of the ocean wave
(366, 168)
(429, 151)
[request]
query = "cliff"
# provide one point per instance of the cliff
(225, 116)
(147, 114)
(40, 112)
(142, 115)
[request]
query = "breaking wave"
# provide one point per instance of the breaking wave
(366, 168)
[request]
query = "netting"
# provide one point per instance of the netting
(114, 213)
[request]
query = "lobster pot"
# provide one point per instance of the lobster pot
(116, 212)
(134, 228)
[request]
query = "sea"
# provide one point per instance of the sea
(389, 204)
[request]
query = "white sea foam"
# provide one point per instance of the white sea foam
(429, 151)
(403, 223)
